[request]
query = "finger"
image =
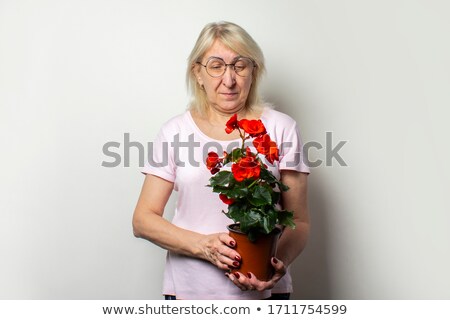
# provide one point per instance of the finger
(223, 266)
(235, 277)
(219, 253)
(230, 254)
(229, 241)
(248, 281)
(227, 250)
(225, 263)
(280, 269)
(228, 257)
(219, 260)
(258, 284)
(251, 281)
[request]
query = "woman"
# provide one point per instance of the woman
(224, 69)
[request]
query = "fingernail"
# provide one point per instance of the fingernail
(232, 243)
(274, 260)
(236, 275)
(235, 263)
(238, 258)
(249, 275)
(226, 274)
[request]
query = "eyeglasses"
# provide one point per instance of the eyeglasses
(216, 67)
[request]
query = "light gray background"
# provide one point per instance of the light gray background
(77, 74)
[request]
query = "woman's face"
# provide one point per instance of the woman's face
(228, 93)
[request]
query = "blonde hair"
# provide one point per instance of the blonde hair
(238, 40)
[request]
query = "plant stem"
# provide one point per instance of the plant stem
(251, 184)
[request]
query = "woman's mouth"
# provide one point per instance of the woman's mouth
(229, 94)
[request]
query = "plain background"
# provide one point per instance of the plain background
(75, 75)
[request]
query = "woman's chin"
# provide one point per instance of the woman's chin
(229, 107)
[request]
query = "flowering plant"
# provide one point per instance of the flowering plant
(250, 190)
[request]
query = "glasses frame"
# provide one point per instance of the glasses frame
(233, 65)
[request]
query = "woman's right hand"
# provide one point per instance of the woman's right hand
(217, 248)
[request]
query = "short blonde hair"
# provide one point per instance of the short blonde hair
(238, 40)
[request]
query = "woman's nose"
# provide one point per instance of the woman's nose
(229, 77)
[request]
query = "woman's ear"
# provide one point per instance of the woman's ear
(196, 71)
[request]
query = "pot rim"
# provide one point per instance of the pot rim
(275, 231)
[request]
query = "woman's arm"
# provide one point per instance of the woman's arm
(293, 241)
(148, 223)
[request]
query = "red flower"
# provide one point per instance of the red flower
(249, 152)
(213, 162)
(232, 124)
(267, 147)
(214, 170)
(225, 199)
(254, 128)
(246, 168)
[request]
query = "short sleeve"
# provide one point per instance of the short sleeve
(160, 160)
(292, 155)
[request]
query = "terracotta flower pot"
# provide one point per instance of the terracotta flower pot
(255, 255)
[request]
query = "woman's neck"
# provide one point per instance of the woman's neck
(213, 122)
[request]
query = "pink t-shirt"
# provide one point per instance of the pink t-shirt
(178, 155)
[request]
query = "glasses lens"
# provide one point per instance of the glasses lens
(215, 67)
(243, 67)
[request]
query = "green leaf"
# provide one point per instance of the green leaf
(260, 196)
(269, 220)
(275, 197)
(250, 220)
(283, 187)
(221, 178)
(272, 215)
(266, 175)
(237, 192)
(266, 225)
(253, 235)
(220, 189)
(236, 211)
(236, 154)
(285, 218)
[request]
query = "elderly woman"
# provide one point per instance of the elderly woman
(224, 70)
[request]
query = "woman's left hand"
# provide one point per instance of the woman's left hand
(250, 282)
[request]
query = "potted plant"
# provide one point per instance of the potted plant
(252, 194)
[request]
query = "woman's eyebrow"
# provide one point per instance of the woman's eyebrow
(233, 60)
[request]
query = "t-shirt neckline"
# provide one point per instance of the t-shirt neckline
(208, 138)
